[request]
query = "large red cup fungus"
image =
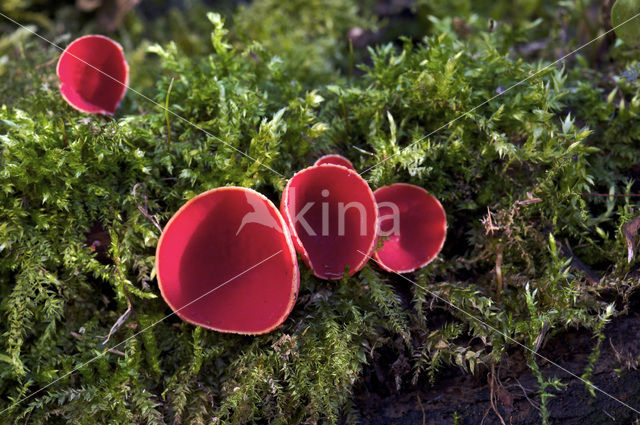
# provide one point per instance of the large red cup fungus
(413, 225)
(93, 74)
(335, 159)
(333, 218)
(233, 239)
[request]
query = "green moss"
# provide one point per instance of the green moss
(279, 97)
(309, 37)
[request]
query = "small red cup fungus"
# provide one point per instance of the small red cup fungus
(335, 159)
(413, 224)
(93, 74)
(233, 239)
(333, 218)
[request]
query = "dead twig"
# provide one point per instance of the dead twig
(486, 413)
(47, 63)
(123, 318)
(144, 208)
(540, 338)
(492, 397)
(524, 391)
(489, 227)
(114, 351)
(629, 362)
(530, 200)
(609, 415)
(424, 415)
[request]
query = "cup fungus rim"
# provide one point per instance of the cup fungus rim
(298, 242)
(335, 155)
(293, 296)
(446, 227)
(124, 84)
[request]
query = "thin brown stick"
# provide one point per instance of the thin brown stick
(118, 352)
(524, 391)
(144, 208)
(125, 316)
(424, 415)
(47, 63)
(492, 395)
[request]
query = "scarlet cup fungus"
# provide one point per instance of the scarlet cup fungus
(93, 74)
(335, 159)
(233, 239)
(333, 217)
(414, 225)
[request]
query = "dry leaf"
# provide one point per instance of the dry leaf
(630, 231)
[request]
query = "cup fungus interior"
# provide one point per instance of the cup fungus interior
(82, 68)
(335, 159)
(413, 224)
(224, 238)
(332, 216)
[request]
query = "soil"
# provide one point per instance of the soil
(459, 398)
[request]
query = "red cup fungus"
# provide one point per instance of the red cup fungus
(333, 218)
(233, 239)
(93, 74)
(335, 159)
(413, 225)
